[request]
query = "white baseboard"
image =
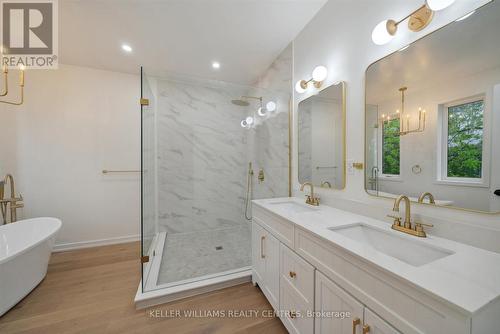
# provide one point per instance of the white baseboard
(95, 243)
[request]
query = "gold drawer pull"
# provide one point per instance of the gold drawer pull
(262, 255)
(355, 323)
(366, 329)
(293, 314)
(293, 274)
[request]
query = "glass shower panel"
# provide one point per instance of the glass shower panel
(148, 168)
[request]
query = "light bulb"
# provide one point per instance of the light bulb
(381, 34)
(127, 48)
(319, 73)
(244, 124)
(298, 87)
(261, 112)
(436, 5)
(271, 106)
(249, 120)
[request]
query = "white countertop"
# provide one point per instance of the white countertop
(469, 279)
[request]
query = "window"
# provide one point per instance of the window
(390, 147)
(464, 151)
(463, 142)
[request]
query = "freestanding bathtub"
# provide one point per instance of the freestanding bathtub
(25, 248)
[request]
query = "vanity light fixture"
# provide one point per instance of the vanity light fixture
(319, 75)
(5, 72)
(404, 118)
(420, 18)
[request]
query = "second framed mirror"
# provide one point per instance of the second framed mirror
(321, 138)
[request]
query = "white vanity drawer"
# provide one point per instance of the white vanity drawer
(298, 273)
(279, 227)
(294, 312)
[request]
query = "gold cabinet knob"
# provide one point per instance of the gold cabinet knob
(366, 329)
(355, 323)
(293, 274)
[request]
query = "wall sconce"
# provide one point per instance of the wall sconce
(318, 76)
(386, 30)
(5, 72)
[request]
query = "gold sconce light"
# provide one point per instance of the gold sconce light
(5, 73)
(319, 75)
(404, 118)
(420, 18)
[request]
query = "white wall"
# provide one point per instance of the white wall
(74, 123)
(339, 37)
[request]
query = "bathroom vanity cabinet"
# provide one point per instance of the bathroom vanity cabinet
(317, 286)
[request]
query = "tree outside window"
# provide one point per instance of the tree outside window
(465, 140)
(391, 147)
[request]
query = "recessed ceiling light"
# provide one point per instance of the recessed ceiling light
(465, 16)
(215, 65)
(126, 48)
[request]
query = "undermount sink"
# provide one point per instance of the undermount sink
(404, 249)
(292, 206)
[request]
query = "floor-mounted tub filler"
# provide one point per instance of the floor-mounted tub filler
(25, 248)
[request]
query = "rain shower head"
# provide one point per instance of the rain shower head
(240, 102)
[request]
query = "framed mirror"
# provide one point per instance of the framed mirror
(433, 117)
(321, 138)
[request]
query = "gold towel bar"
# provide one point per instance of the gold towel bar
(105, 171)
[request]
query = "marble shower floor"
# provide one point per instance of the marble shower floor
(195, 254)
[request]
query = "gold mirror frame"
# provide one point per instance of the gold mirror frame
(344, 140)
(365, 135)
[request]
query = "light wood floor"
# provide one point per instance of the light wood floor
(92, 291)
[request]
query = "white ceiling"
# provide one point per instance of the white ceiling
(181, 36)
(456, 51)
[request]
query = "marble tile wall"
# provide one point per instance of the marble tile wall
(201, 156)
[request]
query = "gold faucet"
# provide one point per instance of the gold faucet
(424, 195)
(12, 202)
(417, 230)
(326, 184)
(311, 199)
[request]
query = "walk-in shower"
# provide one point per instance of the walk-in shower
(201, 141)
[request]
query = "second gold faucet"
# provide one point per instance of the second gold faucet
(310, 199)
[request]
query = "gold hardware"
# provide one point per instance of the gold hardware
(293, 314)
(355, 323)
(144, 102)
(310, 199)
(144, 259)
(21, 85)
(424, 195)
(419, 229)
(357, 165)
(10, 204)
(326, 184)
(366, 329)
(397, 202)
(262, 255)
(105, 171)
(261, 175)
(293, 274)
(407, 228)
(420, 19)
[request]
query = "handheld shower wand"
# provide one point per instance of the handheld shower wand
(249, 191)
